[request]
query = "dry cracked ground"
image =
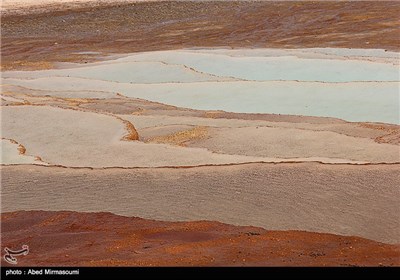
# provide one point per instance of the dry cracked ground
(260, 115)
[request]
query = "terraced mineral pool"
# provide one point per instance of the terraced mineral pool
(350, 84)
(10, 154)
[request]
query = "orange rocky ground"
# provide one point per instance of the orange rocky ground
(104, 239)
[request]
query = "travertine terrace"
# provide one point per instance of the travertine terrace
(277, 115)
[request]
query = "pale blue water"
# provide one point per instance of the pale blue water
(310, 82)
(280, 68)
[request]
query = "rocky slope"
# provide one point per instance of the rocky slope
(104, 239)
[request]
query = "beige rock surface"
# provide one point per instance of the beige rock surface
(355, 200)
(76, 138)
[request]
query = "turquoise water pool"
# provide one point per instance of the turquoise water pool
(354, 85)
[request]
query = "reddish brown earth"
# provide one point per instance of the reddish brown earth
(103, 239)
(36, 38)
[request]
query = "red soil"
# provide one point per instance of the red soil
(104, 239)
(37, 38)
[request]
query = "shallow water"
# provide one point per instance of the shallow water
(330, 65)
(375, 102)
(275, 68)
(354, 85)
